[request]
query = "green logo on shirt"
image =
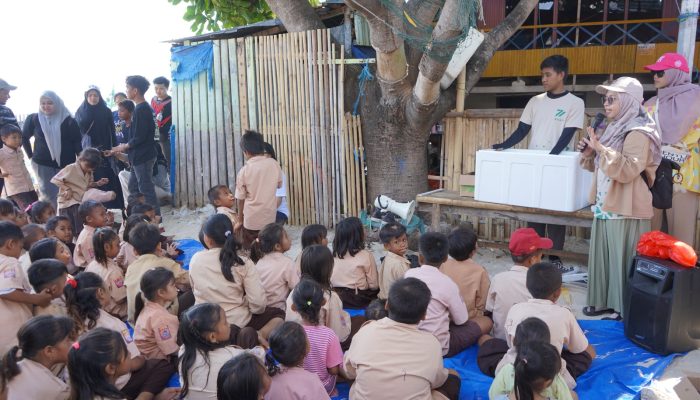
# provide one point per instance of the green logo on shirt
(559, 113)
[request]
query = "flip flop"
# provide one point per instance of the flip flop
(590, 311)
(614, 317)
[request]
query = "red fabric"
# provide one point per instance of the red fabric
(661, 245)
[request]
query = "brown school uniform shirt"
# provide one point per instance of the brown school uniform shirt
(113, 276)
(257, 183)
(232, 215)
(84, 252)
(355, 272)
(331, 315)
(411, 372)
(507, 289)
(392, 269)
(113, 323)
(155, 332)
(57, 308)
(12, 162)
(239, 299)
(278, 276)
(72, 176)
(564, 330)
(144, 263)
(12, 314)
(35, 381)
(473, 282)
(126, 255)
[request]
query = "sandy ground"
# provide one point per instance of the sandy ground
(184, 223)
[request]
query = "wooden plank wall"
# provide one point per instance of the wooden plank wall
(290, 88)
(479, 130)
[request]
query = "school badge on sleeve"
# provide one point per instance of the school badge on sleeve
(164, 333)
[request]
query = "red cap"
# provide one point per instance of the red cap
(526, 241)
(669, 61)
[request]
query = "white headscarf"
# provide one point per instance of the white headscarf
(51, 124)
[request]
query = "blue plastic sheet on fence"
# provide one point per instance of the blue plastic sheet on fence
(620, 370)
(186, 62)
(189, 247)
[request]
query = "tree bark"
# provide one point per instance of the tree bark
(296, 15)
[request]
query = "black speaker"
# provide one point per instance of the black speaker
(662, 306)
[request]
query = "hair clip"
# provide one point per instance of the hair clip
(525, 361)
(308, 302)
(257, 240)
(29, 207)
(72, 282)
(271, 357)
(227, 233)
(76, 345)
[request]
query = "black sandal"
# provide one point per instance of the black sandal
(590, 311)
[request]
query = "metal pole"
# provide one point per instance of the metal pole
(688, 21)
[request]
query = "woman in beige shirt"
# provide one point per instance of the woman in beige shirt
(221, 276)
(628, 147)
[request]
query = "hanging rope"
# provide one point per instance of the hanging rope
(365, 75)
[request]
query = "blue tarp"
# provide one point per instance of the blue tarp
(186, 62)
(619, 371)
(190, 247)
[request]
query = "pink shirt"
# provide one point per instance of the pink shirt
(507, 289)
(296, 384)
(84, 252)
(445, 305)
(324, 353)
(278, 276)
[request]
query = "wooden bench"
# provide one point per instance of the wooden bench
(443, 201)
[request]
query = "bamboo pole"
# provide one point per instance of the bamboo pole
(307, 155)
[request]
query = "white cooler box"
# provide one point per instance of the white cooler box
(532, 178)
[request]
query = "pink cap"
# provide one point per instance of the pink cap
(670, 61)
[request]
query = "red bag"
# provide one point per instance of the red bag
(661, 245)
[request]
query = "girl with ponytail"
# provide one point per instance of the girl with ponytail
(44, 342)
(277, 271)
(223, 276)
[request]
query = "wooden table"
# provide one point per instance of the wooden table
(439, 201)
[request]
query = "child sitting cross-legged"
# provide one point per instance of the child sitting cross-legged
(311, 235)
(447, 317)
(156, 329)
(540, 366)
(50, 275)
(276, 271)
(393, 359)
(106, 245)
(325, 355)
(221, 197)
(206, 336)
(471, 278)
(394, 265)
(355, 277)
(285, 364)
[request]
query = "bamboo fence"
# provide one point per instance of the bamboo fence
(290, 88)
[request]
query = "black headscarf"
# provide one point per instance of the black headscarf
(97, 122)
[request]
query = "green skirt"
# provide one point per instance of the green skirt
(612, 248)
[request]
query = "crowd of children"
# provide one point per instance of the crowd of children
(97, 312)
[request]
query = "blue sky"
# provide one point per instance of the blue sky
(67, 45)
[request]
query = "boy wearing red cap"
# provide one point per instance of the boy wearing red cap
(507, 289)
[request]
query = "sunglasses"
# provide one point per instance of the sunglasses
(607, 99)
(660, 74)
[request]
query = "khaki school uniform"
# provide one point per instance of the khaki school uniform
(35, 381)
(155, 332)
(203, 373)
(392, 269)
(112, 323)
(113, 277)
(57, 308)
(126, 255)
(73, 177)
(278, 276)
(507, 289)
(473, 283)
(232, 215)
(239, 299)
(257, 183)
(84, 252)
(355, 272)
(12, 314)
(12, 163)
(144, 263)
(26, 262)
(564, 330)
(411, 372)
(331, 315)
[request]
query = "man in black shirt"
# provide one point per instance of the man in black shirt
(140, 148)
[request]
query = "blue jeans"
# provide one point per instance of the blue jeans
(141, 180)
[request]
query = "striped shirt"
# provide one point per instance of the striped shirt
(324, 353)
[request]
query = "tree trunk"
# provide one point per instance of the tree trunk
(296, 15)
(396, 157)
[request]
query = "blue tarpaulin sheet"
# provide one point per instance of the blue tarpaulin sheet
(186, 62)
(619, 371)
(189, 247)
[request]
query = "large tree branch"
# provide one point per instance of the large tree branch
(391, 56)
(423, 14)
(495, 39)
(296, 15)
(427, 88)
